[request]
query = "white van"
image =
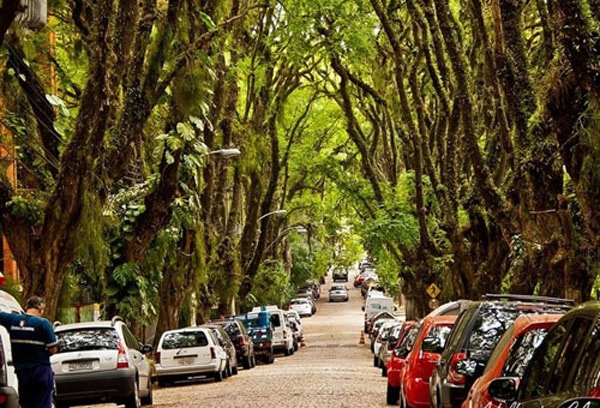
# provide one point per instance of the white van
(283, 335)
(8, 378)
(377, 302)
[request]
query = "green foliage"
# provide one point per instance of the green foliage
(271, 287)
(29, 209)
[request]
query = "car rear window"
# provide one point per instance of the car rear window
(87, 339)
(178, 340)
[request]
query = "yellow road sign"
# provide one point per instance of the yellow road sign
(433, 291)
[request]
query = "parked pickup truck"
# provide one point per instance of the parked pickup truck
(258, 325)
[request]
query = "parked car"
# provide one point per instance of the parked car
(385, 351)
(397, 359)
(261, 330)
(9, 385)
(338, 293)
(510, 356)
(283, 336)
(565, 365)
(474, 336)
(225, 342)
(244, 346)
(381, 340)
(296, 324)
(301, 305)
(420, 362)
(189, 353)
(371, 327)
(376, 328)
(99, 362)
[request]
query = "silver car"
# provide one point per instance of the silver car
(99, 362)
(338, 293)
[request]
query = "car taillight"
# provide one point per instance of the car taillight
(453, 376)
(157, 357)
(122, 361)
(3, 399)
(213, 353)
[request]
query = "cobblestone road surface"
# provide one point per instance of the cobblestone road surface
(332, 371)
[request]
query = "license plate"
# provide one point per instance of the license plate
(81, 365)
(185, 360)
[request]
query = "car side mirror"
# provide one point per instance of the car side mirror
(503, 389)
(581, 402)
(432, 345)
(146, 349)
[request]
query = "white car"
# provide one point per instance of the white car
(99, 362)
(188, 353)
(8, 379)
(302, 306)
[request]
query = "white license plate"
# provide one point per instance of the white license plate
(185, 360)
(81, 365)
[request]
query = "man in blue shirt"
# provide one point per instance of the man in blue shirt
(33, 341)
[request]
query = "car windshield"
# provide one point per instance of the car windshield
(178, 340)
(87, 339)
(337, 288)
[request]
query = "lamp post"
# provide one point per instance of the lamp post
(226, 153)
(276, 212)
(297, 228)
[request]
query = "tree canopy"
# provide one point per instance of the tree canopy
(453, 141)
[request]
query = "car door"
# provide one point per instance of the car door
(549, 378)
(139, 360)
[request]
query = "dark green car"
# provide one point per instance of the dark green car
(260, 330)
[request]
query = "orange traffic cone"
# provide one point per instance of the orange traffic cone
(362, 337)
(302, 343)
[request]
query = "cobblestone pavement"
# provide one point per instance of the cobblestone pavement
(332, 371)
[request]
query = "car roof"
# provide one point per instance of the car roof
(8, 303)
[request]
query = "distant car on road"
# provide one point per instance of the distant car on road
(340, 274)
(338, 293)
(301, 305)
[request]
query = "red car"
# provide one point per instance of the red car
(396, 362)
(422, 359)
(510, 357)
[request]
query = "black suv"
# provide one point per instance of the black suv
(473, 337)
(244, 347)
(564, 366)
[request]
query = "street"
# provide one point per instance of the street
(332, 370)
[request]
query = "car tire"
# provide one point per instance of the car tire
(392, 395)
(162, 382)
(247, 364)
(218, 376)
(375, 362)
(147, 400)
(133, 401)
(234, 370)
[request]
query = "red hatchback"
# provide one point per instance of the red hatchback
(510, 356)
(397, 357)
(422, 359)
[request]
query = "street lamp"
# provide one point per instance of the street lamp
(297, 228)
(226, 153)
(276, 212)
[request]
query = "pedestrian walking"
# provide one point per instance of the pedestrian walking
(33, 341)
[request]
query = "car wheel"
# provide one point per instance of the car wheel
(218, 376)
(392, 395)
(162, 382)
(147, 400)
(133, 401)
(384, 371)
(234, 370)
(375, 362)
(247, 364)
